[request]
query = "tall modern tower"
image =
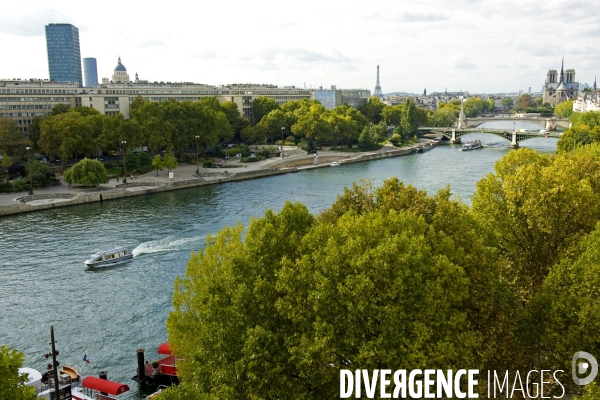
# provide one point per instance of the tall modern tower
(377, 91)
(90, 71)
(64, 58)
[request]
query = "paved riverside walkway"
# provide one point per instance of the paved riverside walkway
(185, 173)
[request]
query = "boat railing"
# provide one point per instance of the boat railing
(43, 387)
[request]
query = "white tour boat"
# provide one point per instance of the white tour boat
(335, 164)
(472, 145)
(104, 258)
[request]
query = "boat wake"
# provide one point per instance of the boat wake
(170, 243)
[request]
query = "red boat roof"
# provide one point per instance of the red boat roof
(104, 385)
(164, 348)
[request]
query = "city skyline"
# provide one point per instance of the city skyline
(475, 46)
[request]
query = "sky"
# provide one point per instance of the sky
(462, 45)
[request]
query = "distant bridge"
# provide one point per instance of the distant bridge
(545, 123)
(515, 137)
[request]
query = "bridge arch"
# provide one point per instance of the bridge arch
(514, 137)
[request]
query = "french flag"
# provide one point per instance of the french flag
(85, 358)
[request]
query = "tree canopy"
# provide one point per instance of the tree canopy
(384, 277)
(12, 384)
(372, 110)
(507, 102)
(12, 141)
(585, 130)
(87, 173)
(261, 106)
(564, 109)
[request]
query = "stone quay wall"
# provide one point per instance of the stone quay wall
(65, 200)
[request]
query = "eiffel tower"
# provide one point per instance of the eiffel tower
(377, 91)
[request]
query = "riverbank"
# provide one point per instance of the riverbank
(185, 177)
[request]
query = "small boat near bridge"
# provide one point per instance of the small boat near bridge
(472, 145)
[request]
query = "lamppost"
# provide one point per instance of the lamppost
(123, 142)
(30, 175)
(282, 132)
(197, 166)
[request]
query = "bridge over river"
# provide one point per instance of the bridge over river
(514, 136)
(543, 122)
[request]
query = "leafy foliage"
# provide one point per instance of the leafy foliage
(507, 102)
(388, 277)
(585, 130)
(87, 173)
(262, 106)
(564, 109)
(12, 141)
(533, 204)
(11, 382)
(169, 161)
(157, 163)
(372, 110)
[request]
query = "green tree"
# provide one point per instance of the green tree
(314, 125)
(255, 134)
(34, 131)
(87, 173)
(60, 109)
(366, 140)
(538, 206)
(473, 106)
(261, 106)
(507, 102)
(539, 100)
(12, 384)
(157, 163)
(564, 109)
(524, 101)
(279, 313)
(131, 161)
(445, 115)
(372, 110)
(5, 163)
(66, 134)
(379, 132)
(579, 135)
(590, 118)
(144, 161)
(237, 122)
(392, 114)
(566, 310)
(347, 123)
(272, 123)
(169, 161)
(409, 121)
(12, 141)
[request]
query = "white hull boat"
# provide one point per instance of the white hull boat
(110, 257)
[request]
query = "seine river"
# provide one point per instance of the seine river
(107, 314)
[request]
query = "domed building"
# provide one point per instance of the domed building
(120, 74)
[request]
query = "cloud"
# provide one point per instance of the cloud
(151, 43)
(422, 17)
(31, 24)
(460, 61)
(293, 55)
(208, 55)
(286, 24)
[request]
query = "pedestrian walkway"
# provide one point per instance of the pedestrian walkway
(187, 172)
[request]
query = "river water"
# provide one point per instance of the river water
(107, 314)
